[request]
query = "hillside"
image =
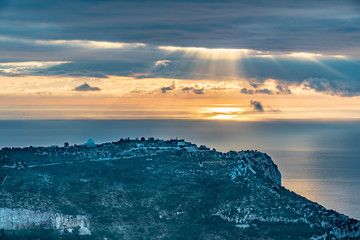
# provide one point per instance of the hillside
(154, 189)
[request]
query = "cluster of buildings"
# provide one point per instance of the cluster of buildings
(124, 148)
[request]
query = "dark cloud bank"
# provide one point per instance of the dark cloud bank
(309, 25)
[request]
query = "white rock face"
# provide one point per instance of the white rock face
(263, 162)
(84, 231)
(13, 219)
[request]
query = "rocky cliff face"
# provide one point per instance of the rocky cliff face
(159, 191)
(261, 162)
(15, 219)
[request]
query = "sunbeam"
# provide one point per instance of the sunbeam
(216, 62)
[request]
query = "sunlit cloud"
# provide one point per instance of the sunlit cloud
(162, 63)
(304, 55)
(89, 44)
(74, 43)
(310, 55)
(27, 67)
(211, 53)
(236, 54)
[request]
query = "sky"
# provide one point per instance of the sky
(238, 60)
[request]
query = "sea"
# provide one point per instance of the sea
(319, 160)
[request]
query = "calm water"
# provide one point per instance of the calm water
(320, 161)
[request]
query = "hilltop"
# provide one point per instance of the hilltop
(154, 189)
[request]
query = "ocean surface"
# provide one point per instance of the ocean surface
(318, 160)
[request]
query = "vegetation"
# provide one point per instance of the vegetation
(157, 195)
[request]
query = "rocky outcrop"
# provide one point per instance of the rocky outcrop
(262, 163)
(15, 219)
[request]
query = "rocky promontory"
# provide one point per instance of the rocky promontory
(154, 189)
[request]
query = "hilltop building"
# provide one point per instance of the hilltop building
(90, 143)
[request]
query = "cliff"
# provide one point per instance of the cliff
(16, 219)
(156, 189)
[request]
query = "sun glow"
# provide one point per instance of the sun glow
(226, 110)
(225, 117)
(223, 113)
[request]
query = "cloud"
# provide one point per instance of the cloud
(256, 106)
(22, 68)
(85, 88)
(246, 91)
(90, 58)
(318, 84)
(282, 90)
(187, 89)
(257, 40)
(171, 87)
(90, 44)
(194, 90)
(264, 91)
(162, 63)
(274, 110)
(326, 86)
(198, 91)
(260, 91)
(165, 89)
(276, 25)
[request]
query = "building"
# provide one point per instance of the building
(191, 148)
(181, 143)
(203, 148)
(90, 143)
